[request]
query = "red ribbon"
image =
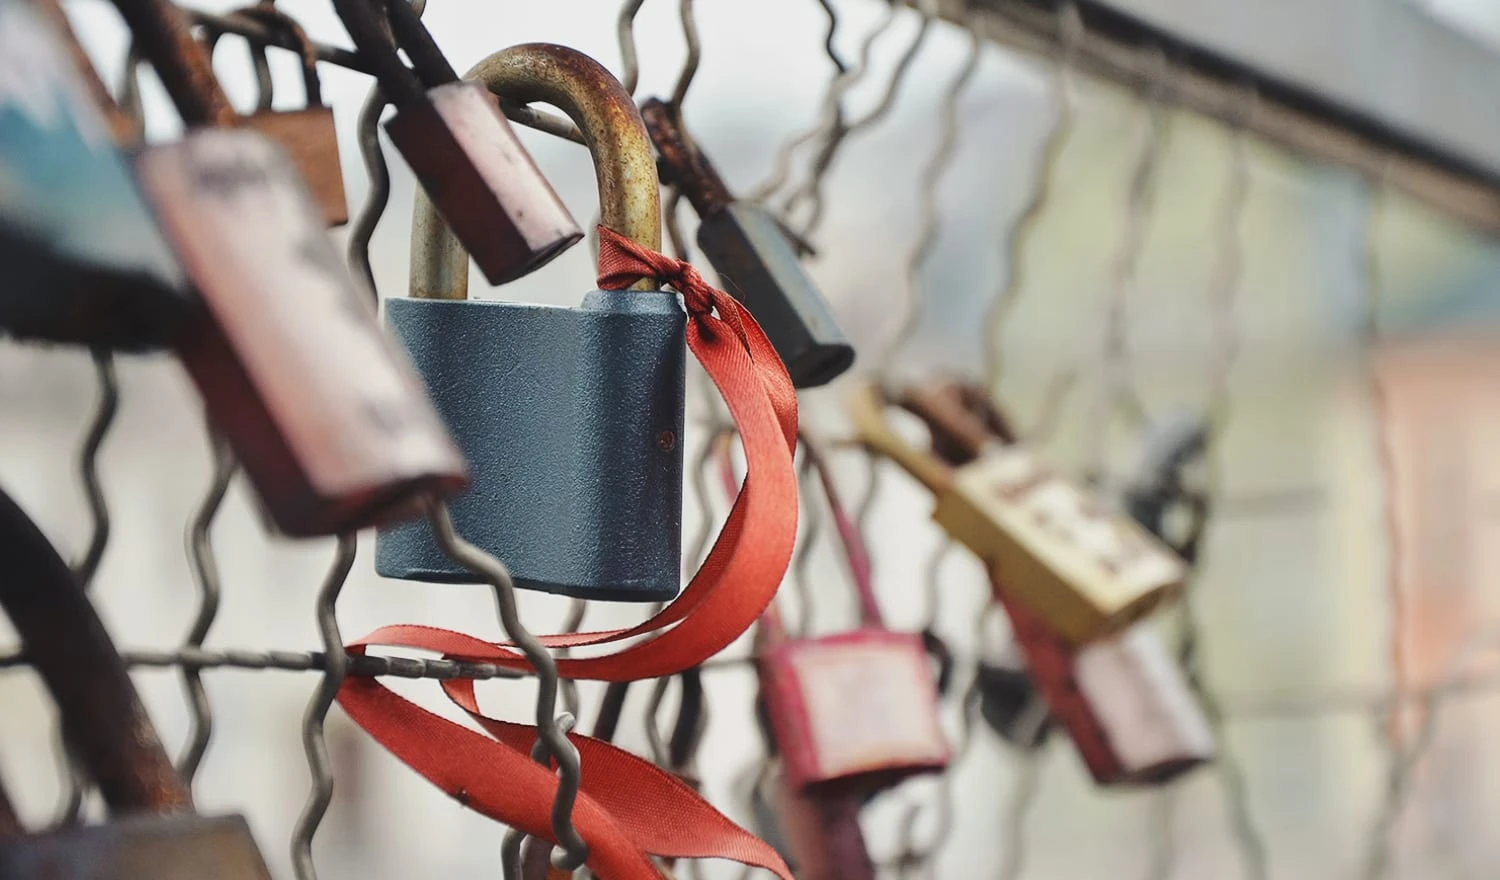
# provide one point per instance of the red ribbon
(627, 807)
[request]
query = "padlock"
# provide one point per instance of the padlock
(319, 404)
(308, 136)
(572, 418)
(1161, 493)
(153, 833)
(1085, 570)
(461, 148)
(822, 833)
(1123, 700)
(86, 262)
(857, 711)
(755, 260)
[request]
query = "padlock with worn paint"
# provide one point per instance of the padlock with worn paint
(1085, 570)
(307, 135)
(856, 711)
(755, 259)
(484, 184)
(320, 405)
(572, 417)
(152, 833)
(85, 261)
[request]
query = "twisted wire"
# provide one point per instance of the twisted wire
(314, 743)
(1018, 235)
(206, 579)
(105, 408)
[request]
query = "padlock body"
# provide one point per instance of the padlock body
(572, 420)
(1087, 571)
(758, 266)
(85, 261)
(310, 140)
(319, 403)
(855, 711)
(143, 847)
(1123, 701)
(1011, 704)
(482, 181)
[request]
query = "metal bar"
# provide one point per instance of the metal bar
(1119, 47)
(369, 665)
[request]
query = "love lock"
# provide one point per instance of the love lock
(572, 418)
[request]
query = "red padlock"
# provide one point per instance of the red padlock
(856, 711)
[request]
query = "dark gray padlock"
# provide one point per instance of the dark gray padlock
(85, 261)
(571, 418)
(755, 260)
(153, 833)
(1162, 494)
(1009, 702)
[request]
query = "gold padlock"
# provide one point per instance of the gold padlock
(1086, 571)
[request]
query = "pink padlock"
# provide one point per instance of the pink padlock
(856, 711)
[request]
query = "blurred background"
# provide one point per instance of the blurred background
(1335, 333)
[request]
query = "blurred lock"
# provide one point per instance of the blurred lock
(1163, 494)
(460, 146)
(822, 833)
(153, 833)
(572, 417)
(1009, 701)
(318, 403)
(85, 261)
(1122, 700)
(857, 711)
(755, 260)
(308, 136)
(1085, 570)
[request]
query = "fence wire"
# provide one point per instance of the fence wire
(937, 812)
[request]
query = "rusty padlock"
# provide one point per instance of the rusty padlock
(572, 417)
(153, 833)
(85, 259)
(856, 711)
(1085, 570)
(319, 404)
(307, 135)
(461, 148)
(755, 259)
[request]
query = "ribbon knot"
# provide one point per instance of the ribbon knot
(622, 262)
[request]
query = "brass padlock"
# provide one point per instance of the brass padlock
(308, 135)
(856, 711)
(460, 146)
(1086, 571)
(85, 261)
(153, 833)
(755, 259)
(320, 405)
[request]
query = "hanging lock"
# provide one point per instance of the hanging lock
(1165, 494)
(1085, 570)
(1009, 701)
(755, 259)
(86, 262)
(318, 403)
(856, 711)
(572, 418)
(462, 149)
(153, 833)
(308, 136)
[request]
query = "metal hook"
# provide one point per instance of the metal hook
(550, 731)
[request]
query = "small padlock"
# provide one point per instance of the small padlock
(308, 136)
(852, 712)
(755, 260)
(319, 404)
(153, 833)
(1122, 699)
(572, 418)
(1085, 570)
(460, 146)
(85, 260)
(1009, 701)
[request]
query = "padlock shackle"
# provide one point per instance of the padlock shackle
(165, 37)
(866, 406)
(265, 88)
(629, 195)
(369, 28)
(67, 644)
(691, 171)
(964, 421)
(856, 554)
(307, 53)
